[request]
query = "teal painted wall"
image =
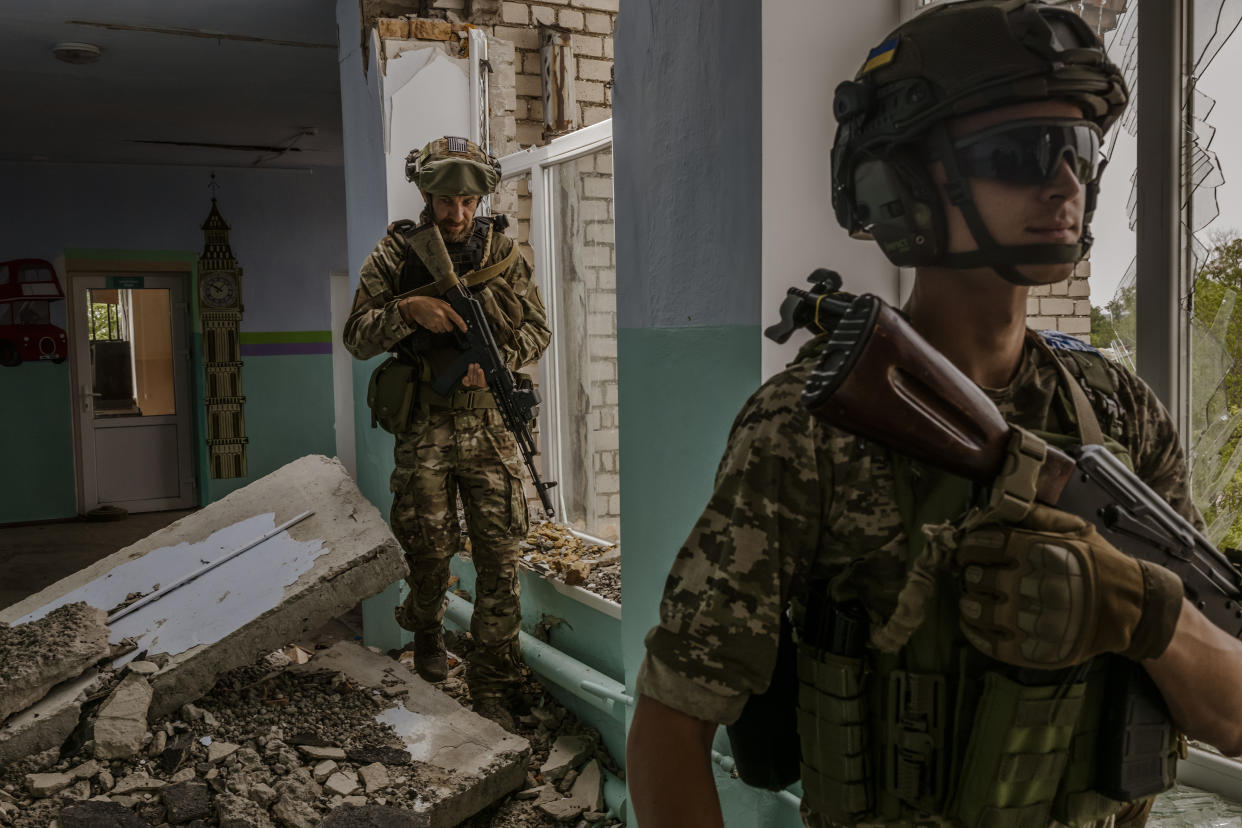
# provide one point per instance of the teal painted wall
(289, 414)
(38, 456)
(680, 390)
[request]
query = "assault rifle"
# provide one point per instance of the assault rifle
(517, 402)
(879, 379)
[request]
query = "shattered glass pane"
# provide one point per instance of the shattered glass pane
(1193, 808)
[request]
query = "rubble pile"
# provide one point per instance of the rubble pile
(294, 748)
(551, 549)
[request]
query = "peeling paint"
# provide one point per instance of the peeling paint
(209, 608)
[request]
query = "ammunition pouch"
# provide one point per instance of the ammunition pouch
(393, 394)
(833, 731)
(1018, 751)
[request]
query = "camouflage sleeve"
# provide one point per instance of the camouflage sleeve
(375, 325)
(1155, 447)
(531, 338)
(717, 637)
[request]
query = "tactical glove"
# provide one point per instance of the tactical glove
(1051, 593)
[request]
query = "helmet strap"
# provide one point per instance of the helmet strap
(1000, 258)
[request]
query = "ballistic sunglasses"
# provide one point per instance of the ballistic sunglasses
(1029, 151)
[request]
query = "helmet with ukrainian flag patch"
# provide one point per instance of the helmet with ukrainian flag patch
(953, 60)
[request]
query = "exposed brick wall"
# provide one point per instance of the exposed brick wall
(1065, 306)
(516, 122)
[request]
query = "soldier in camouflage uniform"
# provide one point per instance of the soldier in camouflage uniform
(453, 446)
(968, 147)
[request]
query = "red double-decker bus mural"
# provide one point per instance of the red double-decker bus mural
(28, 287)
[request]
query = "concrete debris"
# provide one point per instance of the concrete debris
(87, 770)
(234, 811)
(551, 549)
(253, 604)
(567, 752)
(158, 744)
(143, 668)
(341, 784)
(220, 750)
(585, 794)
(98, 814)
(374, 777)
(370, 816)
(294, 813)
(46, 784)
(186, 801)
(121, 724)
(136, 783)
(319, 752)
(421, 760)
(38, 655)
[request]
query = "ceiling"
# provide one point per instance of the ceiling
(256, 78)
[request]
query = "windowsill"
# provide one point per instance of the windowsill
(577, 593)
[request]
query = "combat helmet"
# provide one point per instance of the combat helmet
(452, 166)
(952, 60)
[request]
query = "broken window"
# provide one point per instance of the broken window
(563, 200)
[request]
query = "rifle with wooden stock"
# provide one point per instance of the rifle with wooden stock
(879, 379)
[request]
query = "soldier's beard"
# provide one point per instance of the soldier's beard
(452, 236)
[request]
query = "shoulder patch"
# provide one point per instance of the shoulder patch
(1059, 341)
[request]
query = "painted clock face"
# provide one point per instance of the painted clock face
(218, 290)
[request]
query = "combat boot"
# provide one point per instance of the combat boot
(494, 708)
(430, 655)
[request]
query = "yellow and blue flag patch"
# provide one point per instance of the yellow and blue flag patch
(880, 55)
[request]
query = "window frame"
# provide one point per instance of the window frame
(540, 163)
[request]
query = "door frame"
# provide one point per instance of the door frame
(113, 263)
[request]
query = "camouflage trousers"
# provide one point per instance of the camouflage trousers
(466, 452)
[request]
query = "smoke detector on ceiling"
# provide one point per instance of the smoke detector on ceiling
(77, 53)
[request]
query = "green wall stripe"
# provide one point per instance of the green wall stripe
(268, 337)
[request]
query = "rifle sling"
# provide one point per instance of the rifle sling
(1088, 424)
(471, 279)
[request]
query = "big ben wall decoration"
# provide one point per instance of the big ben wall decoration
(220, 312)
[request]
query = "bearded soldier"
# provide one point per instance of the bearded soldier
(452, 445)
(968, 147)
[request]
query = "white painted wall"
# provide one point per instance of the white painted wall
(426, 96)
(809, 46)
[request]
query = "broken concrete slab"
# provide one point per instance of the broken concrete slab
(481, 761)
(257, 602)
(567, 752)
(46, 784)
(48, 722)
(40, 654)
(374, 777)
(323, 770)
(121, 723)
(341, 783)
(314, 752)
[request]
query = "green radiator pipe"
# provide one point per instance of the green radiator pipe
(586, 683)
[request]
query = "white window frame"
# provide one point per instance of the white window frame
(539, 162)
